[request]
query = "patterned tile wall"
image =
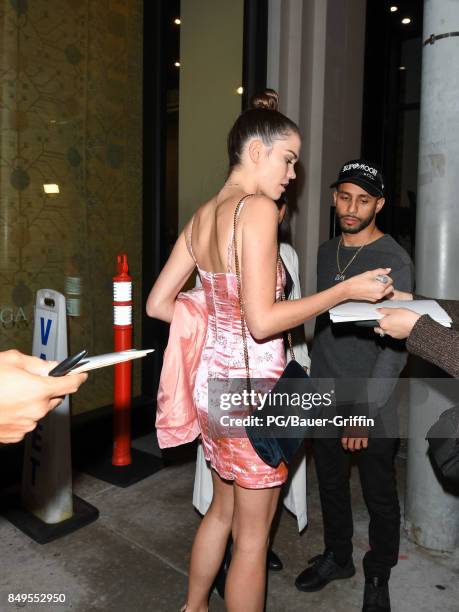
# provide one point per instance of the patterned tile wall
(70, 114)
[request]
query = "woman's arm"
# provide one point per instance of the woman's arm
(179, 266)
(266, 317)
(435, 343)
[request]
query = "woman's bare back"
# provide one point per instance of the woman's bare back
(212, 232)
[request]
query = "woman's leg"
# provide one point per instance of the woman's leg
(254, 510)
(209, 545)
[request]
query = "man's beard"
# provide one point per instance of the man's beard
(355, 229)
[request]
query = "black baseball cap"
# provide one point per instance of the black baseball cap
(365, 174)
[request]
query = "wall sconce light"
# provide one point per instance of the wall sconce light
(51, 188)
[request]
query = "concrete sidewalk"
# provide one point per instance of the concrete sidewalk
(135, 557)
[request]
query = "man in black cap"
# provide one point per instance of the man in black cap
(345, 352)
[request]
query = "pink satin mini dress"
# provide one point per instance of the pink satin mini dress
(222, 357)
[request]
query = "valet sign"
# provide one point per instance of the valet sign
(44, 346)
(47, 475)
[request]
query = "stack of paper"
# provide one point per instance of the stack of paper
(364, 311)
(101, 361)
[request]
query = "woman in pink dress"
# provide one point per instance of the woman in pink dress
(263, 147)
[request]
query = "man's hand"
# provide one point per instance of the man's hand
(354, 444)
(401, 295)
(355, 438)
(28, 394)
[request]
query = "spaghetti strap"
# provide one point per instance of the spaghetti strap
(188, 241)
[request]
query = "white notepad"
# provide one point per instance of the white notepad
(364, 311)
(101, 361)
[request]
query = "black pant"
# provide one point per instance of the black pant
(377, 477)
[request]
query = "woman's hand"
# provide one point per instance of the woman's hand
(397, 322)
(367, 287)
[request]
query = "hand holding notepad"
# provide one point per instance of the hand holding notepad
(366, 313)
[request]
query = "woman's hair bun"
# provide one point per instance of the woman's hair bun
(268, 100)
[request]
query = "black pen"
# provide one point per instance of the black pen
(65, 366)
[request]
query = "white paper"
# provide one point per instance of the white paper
(365, 311)
(101, 361)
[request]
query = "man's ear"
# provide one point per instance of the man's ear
(335, 196)
(255, 149)
(380, 203)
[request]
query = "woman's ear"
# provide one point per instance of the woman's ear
(255, 149)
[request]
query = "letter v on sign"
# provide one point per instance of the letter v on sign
(45, 332)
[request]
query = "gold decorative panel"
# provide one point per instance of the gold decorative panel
(71, 116)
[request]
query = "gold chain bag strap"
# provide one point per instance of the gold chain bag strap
(239, 293)
(239, 290)
(271, 449)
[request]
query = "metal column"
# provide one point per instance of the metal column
(432, 513)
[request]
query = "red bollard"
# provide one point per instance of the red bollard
(122, 325)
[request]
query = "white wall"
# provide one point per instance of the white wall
(211, 44)
(315, 61)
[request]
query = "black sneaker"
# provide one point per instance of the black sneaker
(324, 569)
(376, 595)
(274, 562)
